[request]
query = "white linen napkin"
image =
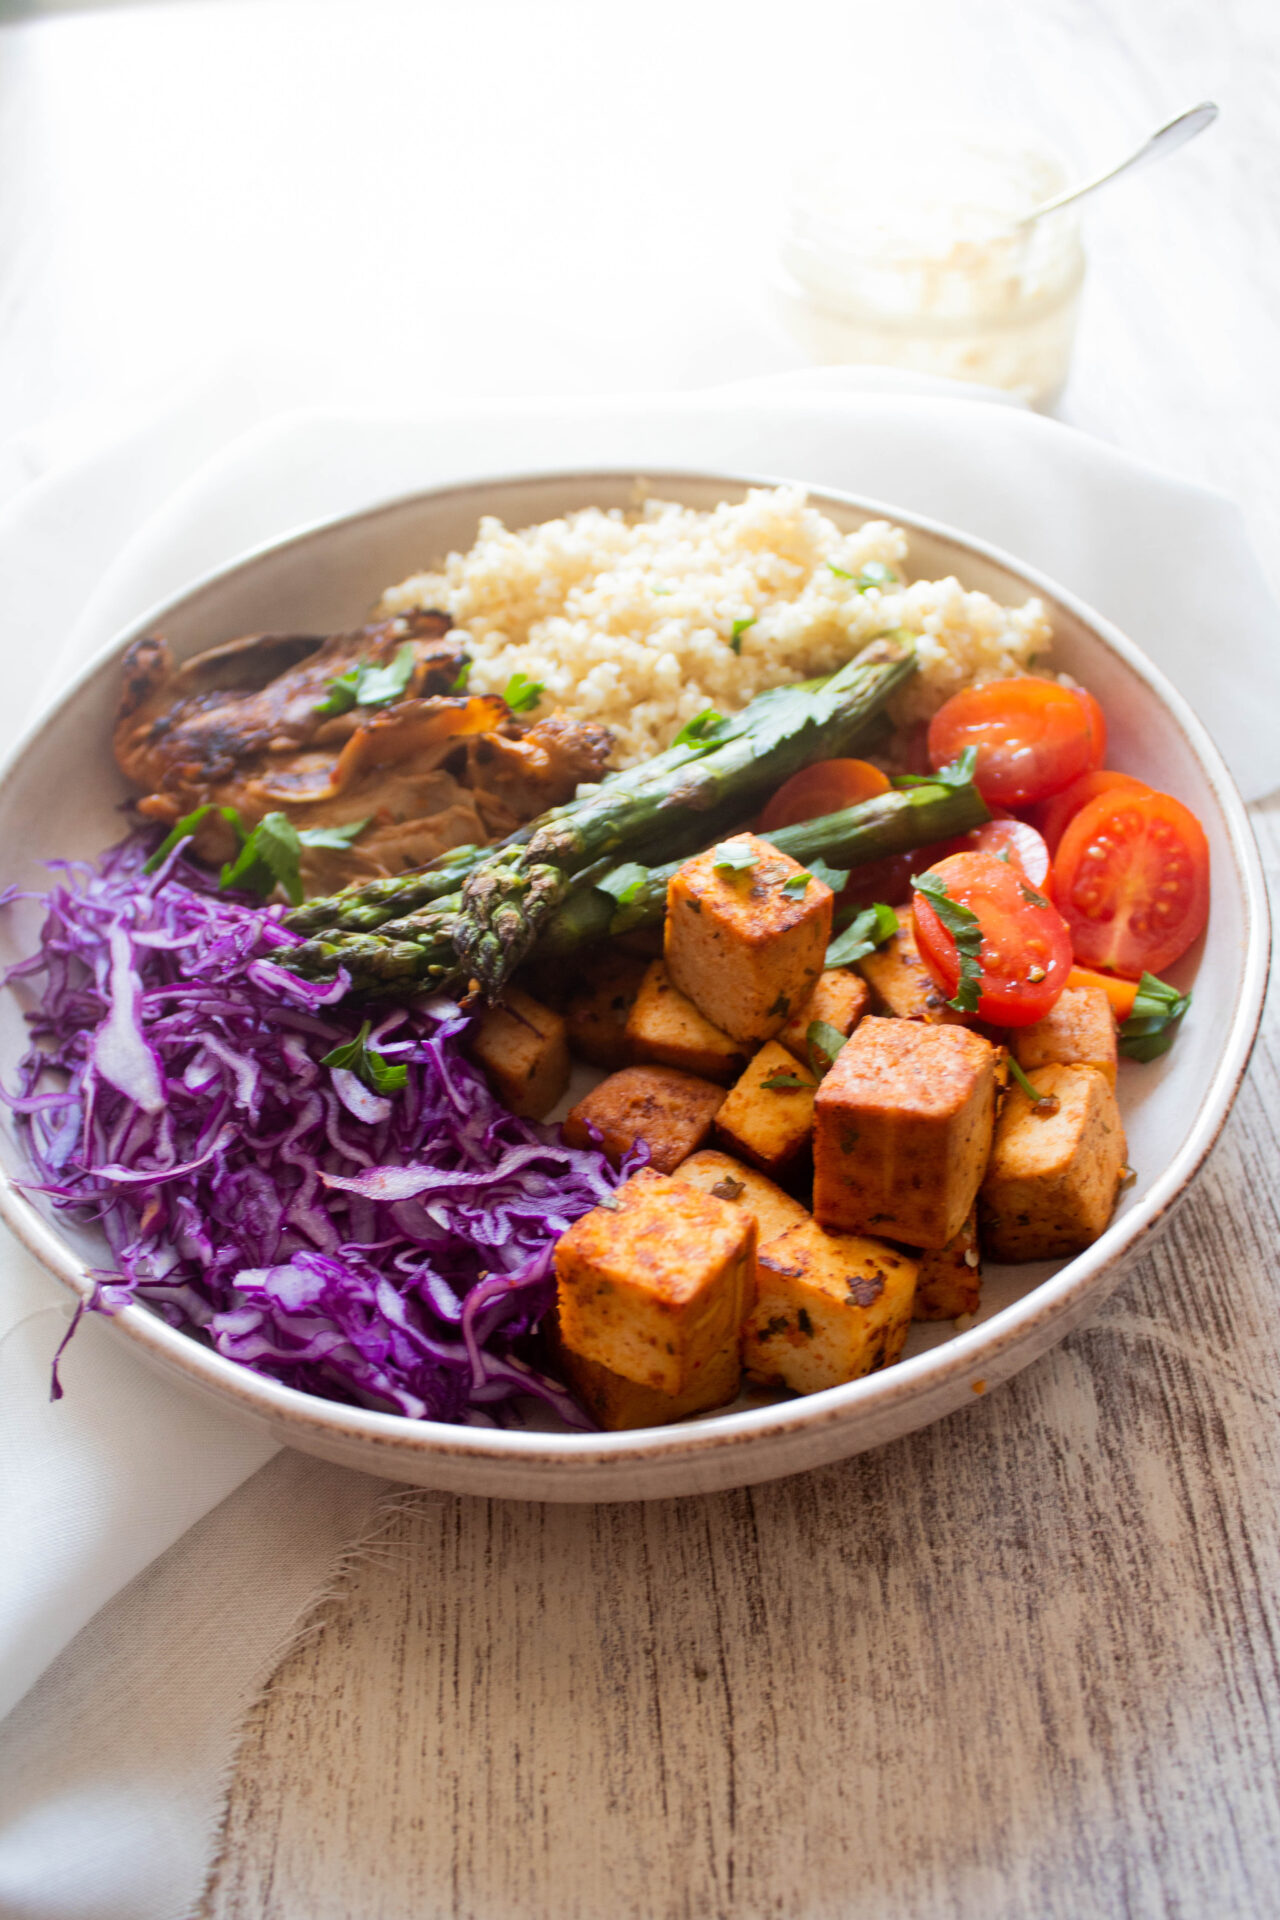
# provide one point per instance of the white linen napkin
(92, 1490)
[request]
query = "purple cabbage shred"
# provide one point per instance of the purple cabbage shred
(388, 1252)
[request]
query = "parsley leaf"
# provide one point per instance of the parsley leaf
(823, 1042)
(1029, 894)
(464, 677)
(728, 858)
(185, 828)
(381, 1076)
(797, 885)
(867, 931)
(841, 573)
(739, 628)
(837, 878)
(364, 685)
(337, 837)
(957, 773)
(623, 883)
(340, 694)
(698, 731)
(1149, 1030)
(786, 1083)
(523, 694)
(269, 857)
(963, 925)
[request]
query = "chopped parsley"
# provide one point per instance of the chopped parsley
(624, 883)
(731, 858)
(698, 731)
(523, 694)
(786, 1083)
(366, 685)
(865, 932)
(270, 856)
(464, 677)
(1149, 1030)
(184, 830)
(381, 1076)
(1044, 1103)
(956, 773)
(965, 929)
(837, 878)
(875, 574)
(739, 628)
(823, 1042)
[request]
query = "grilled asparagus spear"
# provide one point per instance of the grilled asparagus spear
(419, 948)
(512, 894)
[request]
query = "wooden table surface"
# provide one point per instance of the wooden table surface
(1023, 1663)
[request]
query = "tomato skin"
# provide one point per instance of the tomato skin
(1020, 935)
(1054, 815)
(1097, 720)
(1024, 846)
(1033, 737)
(1131, 876)
(828, 786)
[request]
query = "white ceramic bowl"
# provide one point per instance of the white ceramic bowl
(59, 794)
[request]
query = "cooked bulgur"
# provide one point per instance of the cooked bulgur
(641, 620)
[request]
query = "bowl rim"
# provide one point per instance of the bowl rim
(982, 1347)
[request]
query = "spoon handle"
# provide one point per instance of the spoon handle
(1167, 140)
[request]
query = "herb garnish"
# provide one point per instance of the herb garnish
(875, 574)
(823, 1042)
(523, 694)
(1149, 1030)
(739, 628)
(965, 929)
(270, 855)
(867, 931)
(623, 883)
(366, 685)
(381, 1076)
(956, 773)
(786, 1083)
(185, 828)
(728, 858)
(698, 731)
(464, 676)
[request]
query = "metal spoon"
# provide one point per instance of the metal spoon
(1166, 141)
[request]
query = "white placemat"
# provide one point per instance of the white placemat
(94, 1489)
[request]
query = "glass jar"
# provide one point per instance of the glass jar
(901, 249)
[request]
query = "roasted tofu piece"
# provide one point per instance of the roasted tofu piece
(598, 1004)
(1055, 1168)
(729, 1179)
(665, 1026)
(902, 1131)
(619, 1405)
(524, 1051)
(950, 1282)
(840, 997)
(745, 938)
(829, 1308)
(670, 1111)
(657, 1285)
(901, 984)
(767, 1117)
(1079, 1031)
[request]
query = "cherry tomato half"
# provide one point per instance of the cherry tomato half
(1131, 876)
(1023, 845)
(1033, 737)
(1052, 816)
(1025, 955)
(828, 786)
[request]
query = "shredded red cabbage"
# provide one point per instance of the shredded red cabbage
(387, 1251)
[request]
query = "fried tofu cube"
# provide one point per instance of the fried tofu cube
(829, 1308)
(670, 1111)
(902, 1131)
(597, 1009)
(657, 1285)
(665, 1026)
(746, 943)
(950, 1282)
(901, 984)
(767, 1117)
(524, 1051)
(1055, 1169)
(1079, 1031)
(728, 1179)
(619, 1405)
(841, 997)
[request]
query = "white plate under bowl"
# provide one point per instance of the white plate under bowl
(59, 796)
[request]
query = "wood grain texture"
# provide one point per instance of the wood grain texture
(1024, 1663)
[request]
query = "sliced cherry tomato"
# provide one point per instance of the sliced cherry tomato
(1131, 876)
(1052, 815)
(1023, 845)
(1025, 955)
(1033, 737)
(829, 786)
(1097, 726)
(1121, 993)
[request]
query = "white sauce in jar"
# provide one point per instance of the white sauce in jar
(901, 249)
